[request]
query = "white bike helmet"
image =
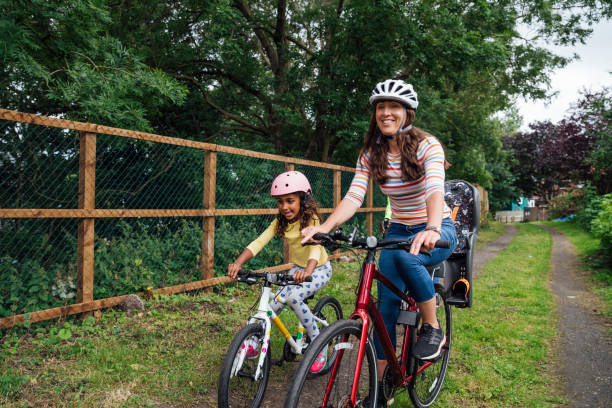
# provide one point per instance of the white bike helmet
(395, 90)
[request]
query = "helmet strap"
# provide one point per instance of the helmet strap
(402, 130)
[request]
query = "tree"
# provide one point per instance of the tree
(549, 157)
(58, 58)
(594, 114)
(290, 77)
(575, 150)
(294, 76)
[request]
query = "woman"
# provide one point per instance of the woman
(408, 165)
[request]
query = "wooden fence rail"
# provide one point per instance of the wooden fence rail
(87, 213)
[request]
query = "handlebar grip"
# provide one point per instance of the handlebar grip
(319, 236)
(243, 272)
(442, 243)
(308, 279)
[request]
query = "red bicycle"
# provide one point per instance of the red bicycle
(353, 378)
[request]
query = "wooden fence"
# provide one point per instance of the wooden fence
(87, 213)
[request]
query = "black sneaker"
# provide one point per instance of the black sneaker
(429, 343)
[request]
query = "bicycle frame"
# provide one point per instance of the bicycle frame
(367, 311)
(266, 316)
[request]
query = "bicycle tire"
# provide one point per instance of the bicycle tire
(308, 390)
(426, 386)
(243, 390)
(329, 308)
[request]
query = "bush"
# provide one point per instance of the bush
(147, 256)
(591, 205)
(601, 226)
(565, 204)
(25, 286)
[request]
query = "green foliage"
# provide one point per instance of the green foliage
(595, 112)
(602, 224)
(144, 256)
(591, 205)
(26, 286)
(58, 57)
(565, 204)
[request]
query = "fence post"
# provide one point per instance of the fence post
(87, 200)
(337, 191)
(370, 203)
(208, 223)
(288, 167)
(337, 187)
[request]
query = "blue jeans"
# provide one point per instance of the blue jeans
(407, 271)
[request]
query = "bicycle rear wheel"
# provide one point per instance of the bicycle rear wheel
(329, 309)
(238, 386)
(308, 390)
(426, 385)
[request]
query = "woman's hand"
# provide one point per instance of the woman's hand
(426, 239)
(309, 231)
(300, 276)
(232, 270)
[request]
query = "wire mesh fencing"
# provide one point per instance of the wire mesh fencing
(90, 213)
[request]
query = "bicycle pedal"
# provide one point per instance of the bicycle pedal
(431, 360)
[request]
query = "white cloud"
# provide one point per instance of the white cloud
(592, 72)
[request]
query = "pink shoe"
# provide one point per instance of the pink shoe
(251, 352)
(320, 362)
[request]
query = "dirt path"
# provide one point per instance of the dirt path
(584, 351)
(484, 255)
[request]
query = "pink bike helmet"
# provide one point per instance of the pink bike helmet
(290, 182)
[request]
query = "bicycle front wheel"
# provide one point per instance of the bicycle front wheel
(427, 381)
(332, 387)
(238, 385)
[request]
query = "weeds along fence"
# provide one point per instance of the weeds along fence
(90, 213)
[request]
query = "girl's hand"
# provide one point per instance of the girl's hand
(232, 270)
(309, 231)
(300, 276)
(426, 239)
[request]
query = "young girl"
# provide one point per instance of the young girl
(297, 209)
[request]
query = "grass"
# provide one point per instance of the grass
(170, 355)
(502, 346)
(490, 231)
(587, 248)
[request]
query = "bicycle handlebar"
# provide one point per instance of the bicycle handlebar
(280, 279)
(330, 241)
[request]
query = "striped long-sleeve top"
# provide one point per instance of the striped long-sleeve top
(408, 198)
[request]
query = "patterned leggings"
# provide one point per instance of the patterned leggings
(294, 295)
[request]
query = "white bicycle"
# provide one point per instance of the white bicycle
(246, 367)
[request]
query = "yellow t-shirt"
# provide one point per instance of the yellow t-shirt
(298, 254)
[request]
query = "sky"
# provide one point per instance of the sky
(591, 72)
